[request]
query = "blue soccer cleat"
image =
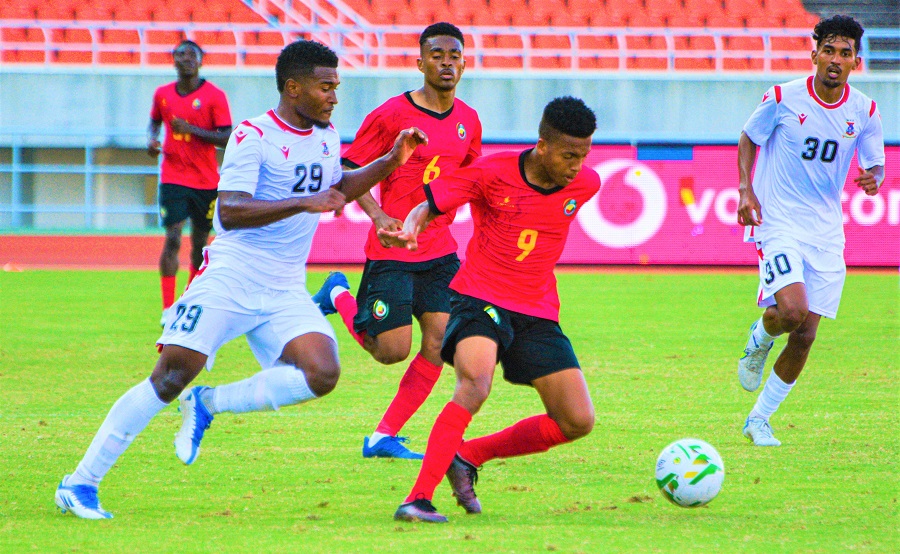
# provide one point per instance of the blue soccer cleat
(419, 510)
(323, 297)
(389, 447)
(80, 500)
(195, 420)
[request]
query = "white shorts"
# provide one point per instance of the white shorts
(221, 305)
(783, 261)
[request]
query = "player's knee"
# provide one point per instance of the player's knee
(577, 426)
(793, 317)
(803, 337)
(471, 393)
(389, 352)
(169, 382)
(172, 244)
(322, 376)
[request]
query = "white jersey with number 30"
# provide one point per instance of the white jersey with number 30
(806, 150)
(271, 160)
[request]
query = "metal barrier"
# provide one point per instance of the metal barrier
(363, 46)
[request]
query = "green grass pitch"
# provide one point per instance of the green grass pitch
(659, 352)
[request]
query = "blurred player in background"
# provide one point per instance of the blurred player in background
(809, 130)
(281, 170)
(197, 120)
(505, 305)
(398, 284)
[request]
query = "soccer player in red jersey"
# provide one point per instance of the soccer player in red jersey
(398, 284)
(506, 307)
(197, 120)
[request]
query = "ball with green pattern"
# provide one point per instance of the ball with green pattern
(689, 472)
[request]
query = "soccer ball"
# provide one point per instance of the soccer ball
(689, 473)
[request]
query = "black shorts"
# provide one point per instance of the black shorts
(392, 292)
(528, 347)
(177, 203)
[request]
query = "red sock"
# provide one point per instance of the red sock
(415, 386)
(529, 436)
(345, 304)
(193, 273)
(443, 442)
(167, 282)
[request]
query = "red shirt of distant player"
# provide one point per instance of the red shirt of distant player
(520, 230)
(187, 160)
(454, 140)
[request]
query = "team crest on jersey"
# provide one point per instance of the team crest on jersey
(802, 118)
(492, 313)
(380, 310)
(460, 131)
(851, 131)
(325, 151)
(569, 206)
(196, 104)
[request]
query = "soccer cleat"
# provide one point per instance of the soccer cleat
(323, 297)
(81, 500)
(195, 420)
(751, 364)
(760, 432)
(462, 477)
(389, 447)
(419, 510)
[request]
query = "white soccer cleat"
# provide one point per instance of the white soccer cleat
(81, 500)
(760, 432)
(195, 420)
(752, 363)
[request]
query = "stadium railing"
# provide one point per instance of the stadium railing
(363, 46)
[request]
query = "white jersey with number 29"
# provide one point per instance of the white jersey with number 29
(806, 150)
(271, 160)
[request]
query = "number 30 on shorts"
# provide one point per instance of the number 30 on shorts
(187, 316)
(782, 266)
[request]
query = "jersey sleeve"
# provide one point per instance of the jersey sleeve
(446, 193)
(764, 118)
(155, 114)
(337, 171)
(870, 147)
(244, 156)
(372, 141)
(474, 146)
(221, 115)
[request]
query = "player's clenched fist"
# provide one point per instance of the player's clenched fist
(329, 200)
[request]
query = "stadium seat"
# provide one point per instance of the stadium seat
(119, 46)
(509, 60)
(690, 53)
(550, 52)
(253, 41)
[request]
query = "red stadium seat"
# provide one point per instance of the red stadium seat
(551, 52)
(503, 60)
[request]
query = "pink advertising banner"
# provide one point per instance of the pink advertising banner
(663, 205)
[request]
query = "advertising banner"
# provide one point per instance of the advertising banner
(663, 205)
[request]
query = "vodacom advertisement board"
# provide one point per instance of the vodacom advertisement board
(663, 205)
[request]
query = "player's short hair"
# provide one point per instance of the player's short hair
(838, 26)
(301, 58)
(567, 115)
(442, 29)
(193, 45)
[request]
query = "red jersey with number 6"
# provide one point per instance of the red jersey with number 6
(187, 160)
(454, 140)
(519, 234)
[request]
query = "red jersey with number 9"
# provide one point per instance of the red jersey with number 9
(454, 140)
(187, 160)
(519, 233)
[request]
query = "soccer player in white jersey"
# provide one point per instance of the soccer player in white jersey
(808, 131)
(281, 170)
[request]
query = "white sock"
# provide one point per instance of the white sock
(376, 436)
(760, 334)
(269, 389)
(337, 291)
(128, 416)
(772, 395)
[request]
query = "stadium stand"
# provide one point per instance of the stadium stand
(562, 35)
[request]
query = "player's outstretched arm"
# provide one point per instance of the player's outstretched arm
(749, 211)
(870, 179)
(354, 183)
(415, 223)
(239, 210)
